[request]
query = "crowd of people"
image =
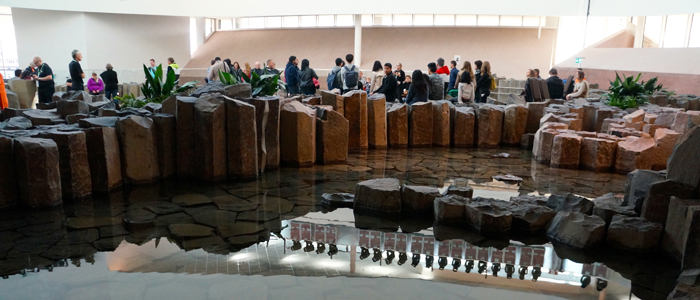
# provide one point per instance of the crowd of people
(235, 69)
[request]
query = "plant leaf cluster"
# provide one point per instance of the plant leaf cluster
(265, 85)
(629, 92)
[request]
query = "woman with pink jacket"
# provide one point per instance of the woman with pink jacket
(95, 85)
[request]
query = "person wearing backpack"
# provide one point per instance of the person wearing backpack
(334, 81)
(350, 74)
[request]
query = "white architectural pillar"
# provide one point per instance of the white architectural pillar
(358, 40)
(639, 32)
(201, 22)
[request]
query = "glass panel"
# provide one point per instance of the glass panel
(531, 21)
(634, 21)
(511, 20)
(367, 20)
(225, 24)
(595, 30)
(382, 20)
(487, 20)
(652, 32)
(569, 37)
(308, 21)
(466, 20)
(242, 23)
(444, 20)
(676, 27)
(615, 24)
(326, 21)
(290, 21)
(695, 32)
(256, 22)
(208, 27)
(344, 20)
(273, 22)
(403, 20)
(423, 20)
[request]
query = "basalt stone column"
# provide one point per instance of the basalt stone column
(675, 237)
(210, 137)
(376, 121)
(490, 125)
(598, 154)
(397, 125)
(70, 107)
(589, 117)
(169, 106)
(8, 185)
(76, 181)
(543, 145)
(665, 140)
(535, 111)
(355, 104)
(514, 124)
(267, 119)
(634, 153)
(331, 138)
(463, 133)
(242, 139)
(441, 123)
(38, 171)
(420, 125)
(334, 100)
(137, 141)
(166, 142)
(238, 91)
(104, 158)
(566, 151)
(185, 137)
(298, 135)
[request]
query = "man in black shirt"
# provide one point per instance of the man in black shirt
(44, 75)
(389, 86)
(555, 85)
(76, 72)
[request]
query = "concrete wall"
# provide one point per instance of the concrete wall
(510, 50)
(125, 41)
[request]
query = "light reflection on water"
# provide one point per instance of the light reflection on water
(89, 236)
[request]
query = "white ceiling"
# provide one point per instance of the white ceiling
(241, 8)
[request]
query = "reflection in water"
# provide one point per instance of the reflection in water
(276, 226)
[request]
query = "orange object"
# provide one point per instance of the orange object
(3, 94)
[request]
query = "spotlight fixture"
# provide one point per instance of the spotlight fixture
(522, 272)
(377, 255)
(469, 266)
(332, 250)
(320, 248)
(429, 259)
(600, 284)
(402, 258)
(585, 281)
(495, 268)
(510, 269)
(364, 253)
(309, 246)
(415, 260)
(456, 263)
(389, 256)
(536, 272)
(442, 262)
(482, 267)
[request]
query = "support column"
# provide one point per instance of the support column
(639, 32)
(358, 40)
(200, 22)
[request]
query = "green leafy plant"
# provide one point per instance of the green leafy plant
(265, 85)
(227, 78)
(156, 90)
(630, 92)
(129, 101)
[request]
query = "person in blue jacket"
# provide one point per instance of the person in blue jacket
(291, 75)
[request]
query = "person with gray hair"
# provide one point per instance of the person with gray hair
(109, 77)
(76, 71)
(44, 75)
(270, 67)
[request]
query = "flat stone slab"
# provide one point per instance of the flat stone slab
(577, 230)
(490, 217)
(338, 200)
(190, 230)
(531, 218)
(378, 195)
(450, 209)
(216, 218)
(415, 199)
(163, 208)
(191, 199)
(635, 234)
(570, 203)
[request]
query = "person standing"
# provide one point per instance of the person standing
(306, 78)
(95, 85)
(291, 75)
(400, 78)
(236, 71)
(418, 92)
(437, 84)
(270, 67)
(441, 68)
(28, 72)
(350, 75)
(44, 75)
(3, 97)
(172, 66)
(453, 76)
(527, 91)
(537, 73)
(152, 67)
(403, 88)
(258, 69)
(555, 85)
(76, 71)
(483, 84)
(215, 68)
(377, 77)
(109, 77)
(389, 85)
(334, 81)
